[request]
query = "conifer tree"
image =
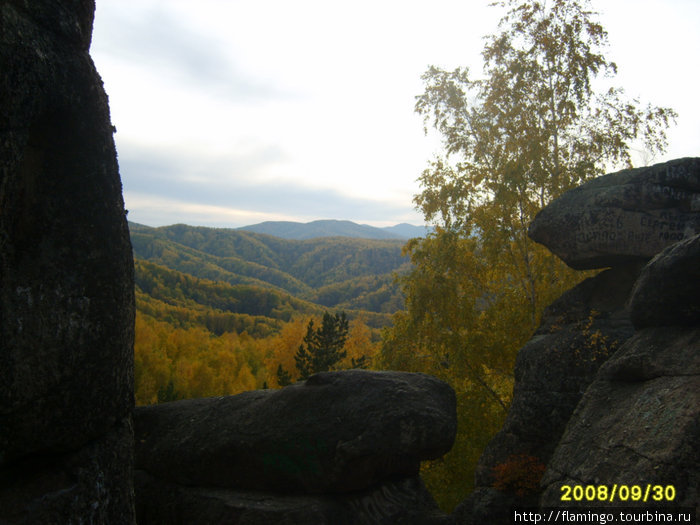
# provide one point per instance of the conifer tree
(322, 348)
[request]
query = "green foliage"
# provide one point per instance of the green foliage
(185, 301)
(322, 349)
(376, 293)
(284, 378)
(194, 339)
(343, 273)
(450, 478)
(531, 128)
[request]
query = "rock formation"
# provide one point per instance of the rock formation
(66, 277)
(623, 217)
(341, 447)
(578, 333)
(595, 401)
(587, 341)
(638, 421)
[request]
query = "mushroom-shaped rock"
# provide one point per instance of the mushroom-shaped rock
(335, 432)
(623, 217)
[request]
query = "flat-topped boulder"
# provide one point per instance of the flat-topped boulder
(335, 432)
(623, 217)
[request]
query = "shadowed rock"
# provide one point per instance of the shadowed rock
(595, 401)
(401, 501)
(66, 277)
(639, 421)
(623, 217)
(335, 432)
(668, 289)
(578, 333)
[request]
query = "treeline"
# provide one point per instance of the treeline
(159, 284)
(187, 362)
(199, 338)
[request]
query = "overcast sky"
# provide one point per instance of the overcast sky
(233, 112)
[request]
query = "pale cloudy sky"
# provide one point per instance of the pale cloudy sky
(233, 112)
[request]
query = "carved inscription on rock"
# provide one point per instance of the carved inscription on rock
(630, 233)
(625, 216)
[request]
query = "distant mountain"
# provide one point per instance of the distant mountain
(334, 228)
(408, 231)
(198, 268)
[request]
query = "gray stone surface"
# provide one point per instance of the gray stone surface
(668, 289)
(394, 502)
(578, 333)
(621, 217)
(66, 274)
(638, 423)
(92, 485)
(488, 505)
(335, 432)
(597, 402)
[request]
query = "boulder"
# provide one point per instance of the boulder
(488, 505)
(404, 500)
(668, 289)
(623, 217)
(337, 432)
(66, 276)
(594, 401)
(578, 333)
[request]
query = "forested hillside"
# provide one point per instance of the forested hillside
(219, 310)
(339, 273)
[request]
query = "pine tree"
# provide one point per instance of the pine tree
(284, 378)
(322, 348)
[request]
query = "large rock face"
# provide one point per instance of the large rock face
(579, 331)
(66, 277)
(595, 401)
(343, 445)
(668, 289)
(639, 421)
(623, 217)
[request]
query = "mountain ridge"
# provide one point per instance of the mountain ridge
(335, 228)
(353, 274)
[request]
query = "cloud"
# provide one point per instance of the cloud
(165, 45)
(161, 189)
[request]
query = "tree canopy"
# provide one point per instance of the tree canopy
(539, 121)
(323, 347)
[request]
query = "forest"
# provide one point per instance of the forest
(219, 311)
